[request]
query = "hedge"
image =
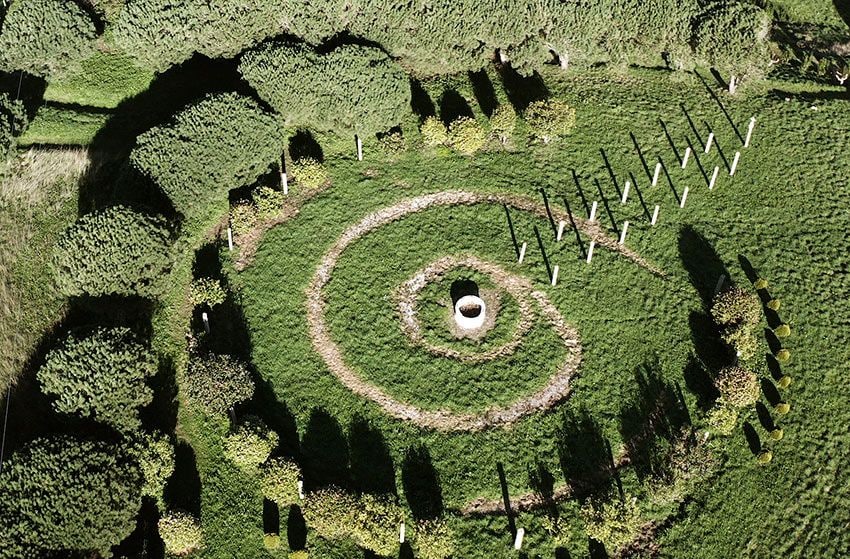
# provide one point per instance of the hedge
(13, 120)
(218, 382)
(732, 36)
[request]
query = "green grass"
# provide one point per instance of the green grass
(105, 79)
(54, 125)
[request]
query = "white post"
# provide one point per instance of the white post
(687, 156)
(206, 320)
(750, 132)
(520, 533)
(555, 271)
(713, 178)
(593, 211)
(735, 163)
(590, 251)
(401, 532)
(719, 285)
(709, 141)
(626, 192)
(655, 176)
(359, 147)
(300, 489)
(733, 84)
(229, 238)
(684, 197)
(284, 180)
(623, 233)
(561, 225)
(655, 215)
(522, 252)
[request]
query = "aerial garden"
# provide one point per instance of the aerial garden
(438, 280)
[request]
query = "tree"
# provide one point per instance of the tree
(614, 523)
(206, 291)
(64, 493)
(13, 121)
(738, 387)
(161, 33)
(433, 132)
(503, 122)
(222, 142)
(250, 444)
(115, 251)
(100, 376)
(218, 382)
(46, 37)
(180, 532)
(155, 455)
(352, 89)
(738, 313)
(732, 37)
(550, 118)
(279, 481)
(466, 135)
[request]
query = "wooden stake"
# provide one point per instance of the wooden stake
(561, 225)
(623, 233)
(709, 141)
(229, 238)
(750, 132)
(284, 180)
(401, 533)
(593, 210)
(655, 176)
(520, 534)
(713, 178)
(300, 489)
(686, 157)
(735, 163)
(655, 215)
(359, 147)
(206, 320)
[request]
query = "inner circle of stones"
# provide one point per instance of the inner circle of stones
(553, 392)
(407, 302)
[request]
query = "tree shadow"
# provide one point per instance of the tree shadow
(183, 490)
(271, 517)
(296, 529)
(702, 263)
(596, 550)
(372, 468)
(562, 553)
(144, 541)
(651, 421)
(406, 551)
(420, 101)
(276, 414)
(699, 382)
(765, 419)
(584, 454)
(753, 440)
(542, 482)
(771, 393)
(522, 90)
(161, 413)
(485, 94)
(453, 106)
(421, 484)
(302, 144)
(709, 348)
(324, 452)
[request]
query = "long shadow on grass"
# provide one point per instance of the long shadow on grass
(296, 528)
(485, 93)
(584, 454)
(522, 90)
(421, 484)
(453, 106)
(303, 144)
(652, 420)
(420, 101)
(183, 490)
(324, 452)
(372, 468)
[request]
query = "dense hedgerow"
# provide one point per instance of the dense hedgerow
(13, 121)
(67, 494)
(352, 89)
(115, 251)
(732, 36)
(160, 33)
(218, 382)
(46, 37)
(223, 142)
(101, 376)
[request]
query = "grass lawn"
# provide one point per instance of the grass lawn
(105, 79)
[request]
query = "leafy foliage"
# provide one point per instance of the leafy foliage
(722, 419)
(181, 532)
(732, 36)
(503, 122)
(433, 132)
(67, 494)
(218, 382)
(250, 444)
(115, 251)
(206, 291)
(279, 481)
(738, 312)
(613, 523)
(550, 118)
(155, 455)
(101, 376)
(224, 141)
(738, 386)
(466, 135)
(308, 173)
(434, 539)
(45, 37)
(352, 89)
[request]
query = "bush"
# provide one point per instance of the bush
(67, 494)
(100, 376)
(690, 459)
(330, 512)
(308, 173)
(46, 37)
(299, 554)
(503, 122)
(784, 381)
(222, 142)
(764, 457)
(783, 355)
(115, 251)
(155, 455)
(206, 291)
(550, 118)
(218, 382)
(279, 481)
(782, 331)
(13, 121)
(776, 434)
(782, 408)
(466, 135)
(433, 132)
(738, 386)
(738, 313)
(613, 523)
(434, 539)
(722, 419)
(760, 283)
(161, 33)
(774, 304)
(180, 532)
(392, 142)
(271, 541)
(352, 89)
(243, 218)
(742, 338)
(268, 202)
(250, 444)
(732, 37)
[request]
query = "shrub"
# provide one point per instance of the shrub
(66, 493)
(612, 523)
(115, 251)
(279, 481)
(784, 381)
(352, 89)
(155, 455)
(13, 121)
(46, 37)
(764, 457)
(222, 142)
(161, 33)
(100, 376)
(466, 135)
(782, 408)
(434, 539)
(722, 419)
(206, 291)
(550, 118)
(180, 532)
(783, 355)
(742, 338)
(308, 173)
(782, 331)
(732, 36)
(218, 382)
(433, 132)
(392, 142)
(271, 541)
(774, 304)
(690, 459)
(738, 386)
(558, 530)
(503, 122)
(776, 434)
(330, 512)
(760, 283)
(243, 218)
(736, 306)
(250, 444)
(299, 554)
(268, 202)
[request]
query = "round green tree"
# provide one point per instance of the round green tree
(550, 119)
(433, 132)
(155, 454)
(218, 382)
(250, 444)
(101, 376)
(613, 523)
(115, 251)
(466, 135)
(67, 494)
(180, 532)
(737, 386)
(279, 481)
